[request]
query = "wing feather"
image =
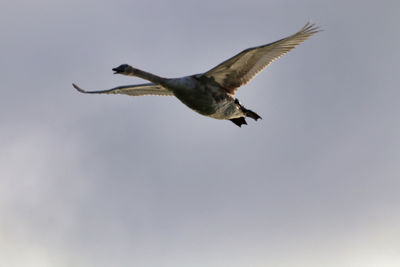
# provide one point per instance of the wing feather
(241, 68)
(132, 90)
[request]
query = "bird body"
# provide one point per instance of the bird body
(212, 93)
(206, 98)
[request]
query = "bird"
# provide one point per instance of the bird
(212, 93)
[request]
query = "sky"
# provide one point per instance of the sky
(99, 180)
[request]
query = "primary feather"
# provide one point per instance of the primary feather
(241, 68)
(132, 90)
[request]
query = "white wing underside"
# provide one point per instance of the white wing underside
(132, 90)
(241, 68)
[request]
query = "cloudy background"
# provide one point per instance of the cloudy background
(94, 180)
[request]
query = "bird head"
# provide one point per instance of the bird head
(123, 69)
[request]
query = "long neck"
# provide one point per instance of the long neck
(148, 76)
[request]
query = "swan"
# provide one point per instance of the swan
(212, 93)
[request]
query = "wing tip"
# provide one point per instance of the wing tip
(310, 28)
(78, 88)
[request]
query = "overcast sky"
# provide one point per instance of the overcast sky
(97, 180)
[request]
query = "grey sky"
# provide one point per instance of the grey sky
(92, 180)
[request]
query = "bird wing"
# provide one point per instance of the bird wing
(241, 68)
(132, 90)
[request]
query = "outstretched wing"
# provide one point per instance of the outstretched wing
(132, 90)
(241, 68)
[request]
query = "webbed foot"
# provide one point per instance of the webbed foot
(239, 121)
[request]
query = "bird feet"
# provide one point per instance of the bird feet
(251, 114)
(241, 120)
(247, 112)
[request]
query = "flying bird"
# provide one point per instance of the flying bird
(212, 93)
